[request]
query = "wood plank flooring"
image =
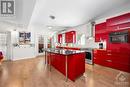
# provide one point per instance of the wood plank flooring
(34, 73)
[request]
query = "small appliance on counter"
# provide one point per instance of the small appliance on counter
(100, 45)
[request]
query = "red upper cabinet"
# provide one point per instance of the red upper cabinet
(119, 22)
(70, 37)
(100, 27)
(59, 38)
(100, 32)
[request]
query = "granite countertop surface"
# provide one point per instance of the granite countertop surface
(63, 51)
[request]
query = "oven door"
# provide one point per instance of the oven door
(88, 58)
(119, 37)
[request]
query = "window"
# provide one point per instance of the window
(83, 39)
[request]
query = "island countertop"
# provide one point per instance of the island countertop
(63, 51)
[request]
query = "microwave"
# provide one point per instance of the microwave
(119, 37)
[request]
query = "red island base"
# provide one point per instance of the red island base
(76, 64)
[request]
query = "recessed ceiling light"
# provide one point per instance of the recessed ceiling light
(52, 17)
(50, 27)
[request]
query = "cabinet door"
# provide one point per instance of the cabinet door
(67, 37)
(100, 30)
(59, 38)
(70, 37)
(100, 57)
(100, 27)
(125, 18)
(122, 67)
(118, 23)
(118, 27)
(121, 58)
(118, 60)
(109, 60)
(97, 37)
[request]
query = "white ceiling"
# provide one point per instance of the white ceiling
(23, 13)
(68, 13)
(72, 12)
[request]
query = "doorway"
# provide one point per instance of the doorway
(4, 44)
(40, 44)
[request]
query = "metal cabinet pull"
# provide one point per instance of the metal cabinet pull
(108, 50)
(109, 54)
(109, 60)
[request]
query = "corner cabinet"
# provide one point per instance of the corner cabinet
(70, 37)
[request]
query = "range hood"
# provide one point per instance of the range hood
(91, 31)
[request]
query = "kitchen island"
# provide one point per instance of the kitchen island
(70, 63)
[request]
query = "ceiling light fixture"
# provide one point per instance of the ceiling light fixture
(52, 17)
(49, 27)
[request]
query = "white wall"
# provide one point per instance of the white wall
(38, 30)
(84, 29)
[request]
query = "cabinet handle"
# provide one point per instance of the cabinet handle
(109, 60)
(108, 50)
(109, 54)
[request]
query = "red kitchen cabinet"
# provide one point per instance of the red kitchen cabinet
(117, 55)
(125, 18)
(100, 57)
(118, 27)
(118, 23)
(97, 37)
(101, 37)
(120, 61)
(76, 64)
(114, 59)
(70, 37)
(59, 38)
(80, 63)
(100, 32)
(122, 67)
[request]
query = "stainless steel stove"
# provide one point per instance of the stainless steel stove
(88, 55)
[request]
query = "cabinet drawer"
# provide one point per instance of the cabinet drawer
(122, 67)
(99, 61)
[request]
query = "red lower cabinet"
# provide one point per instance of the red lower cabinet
(116, 60)
(76, 64)
(100, 57)
(123, 67)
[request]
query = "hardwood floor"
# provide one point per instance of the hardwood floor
(33, 73)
